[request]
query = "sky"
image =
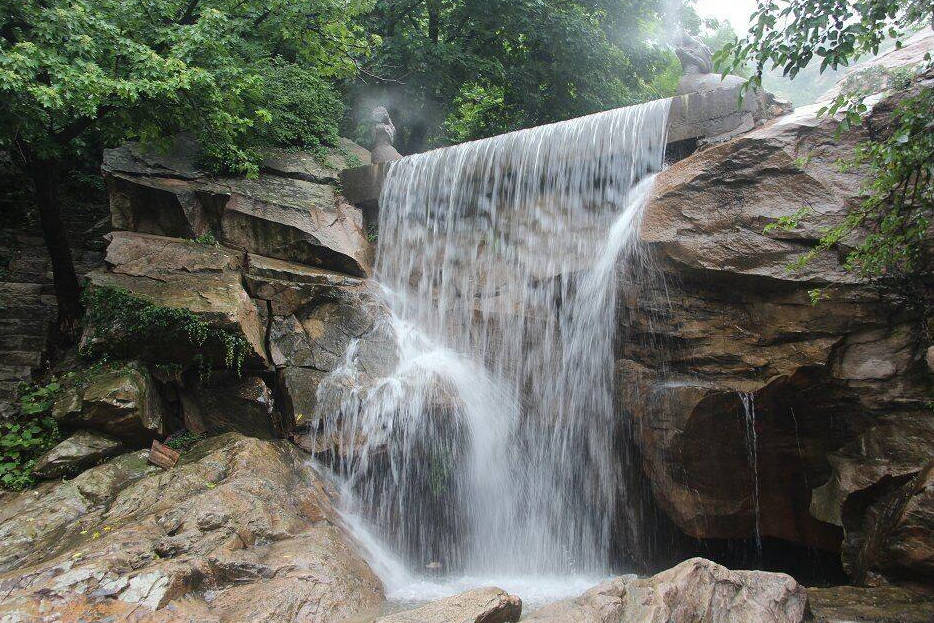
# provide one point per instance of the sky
(736, 11)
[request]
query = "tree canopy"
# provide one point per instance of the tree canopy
(453, 70)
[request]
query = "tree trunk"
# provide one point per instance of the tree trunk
(46, 176)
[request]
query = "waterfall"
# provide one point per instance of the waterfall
(752, 455)
(492, 447)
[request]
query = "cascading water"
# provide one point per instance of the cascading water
(752, 454)
(490, 448)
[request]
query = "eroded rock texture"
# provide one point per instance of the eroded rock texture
(240, 530)
(737, 385)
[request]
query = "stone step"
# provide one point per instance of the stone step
(8, 288)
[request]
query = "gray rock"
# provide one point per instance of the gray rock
(77, 453)
(286, 213)
(299, 222)
(481, 605)
(309, 167)
(695, 591)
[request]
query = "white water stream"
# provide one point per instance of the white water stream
(490, 455)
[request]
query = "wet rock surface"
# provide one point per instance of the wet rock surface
(695, 591)
(240, 530)
(887, 604)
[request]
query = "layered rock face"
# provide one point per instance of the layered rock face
(274, 262)
(755, 411)
(240, 530)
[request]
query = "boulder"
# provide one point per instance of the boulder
(288, 286)
(77, 453)
(888, 529)
(240, 530)
(705, 109)
(121, 401)
(480, 605)
(296, 221)
(695, 591)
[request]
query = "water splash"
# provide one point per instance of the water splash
(492, 447)
(752, 455)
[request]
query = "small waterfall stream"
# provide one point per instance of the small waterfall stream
(491, 449)
(752, 454)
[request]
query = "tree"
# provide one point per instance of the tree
(236, 74)
(892, 223)
(453, 70)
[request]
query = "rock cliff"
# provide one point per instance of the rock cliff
(758, 412)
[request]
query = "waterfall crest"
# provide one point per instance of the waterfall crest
(491, 445)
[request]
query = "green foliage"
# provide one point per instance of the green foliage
(26, 436)
(122, 322)
(478, 67)
(207, 239)
(235, 74)
(183, 440)
(889, 226)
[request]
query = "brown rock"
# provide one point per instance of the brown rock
(480, 605)
(696, 591)
(722, 315)
(240, 529)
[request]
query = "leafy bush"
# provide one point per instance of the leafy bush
(24, 438)
(121, 322)
(302, 110)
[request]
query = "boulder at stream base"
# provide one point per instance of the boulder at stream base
(696, 591)
(239, 530)
(480, 605)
